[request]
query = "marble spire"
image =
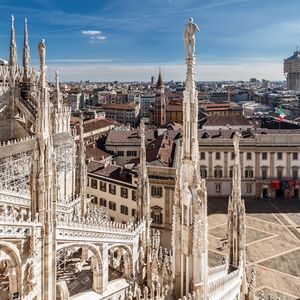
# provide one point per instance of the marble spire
(236, 212)
(26, 51)
(189, 228)
(143, 182)
(42, 55)
(82, 168)
(13, 46)
(58, 95)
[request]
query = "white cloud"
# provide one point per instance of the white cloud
(95, 35)
(91, 32)
(101, 38)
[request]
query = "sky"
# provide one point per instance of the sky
(127, 40)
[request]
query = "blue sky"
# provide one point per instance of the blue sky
(131, 39)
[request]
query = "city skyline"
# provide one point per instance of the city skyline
(113, 40)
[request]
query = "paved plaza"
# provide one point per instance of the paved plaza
(272, 242)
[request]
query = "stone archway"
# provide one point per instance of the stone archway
(121, 259)
(85, 261)
(10, 271)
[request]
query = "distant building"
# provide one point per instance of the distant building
(127, 113)
(221, 109)
(174, 113)
(158, 112)
(146, 101)
(227, 122)
(291, 67)
(75, 101)
(153, 80)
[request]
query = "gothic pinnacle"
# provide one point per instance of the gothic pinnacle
(26, 50)
(13, 46)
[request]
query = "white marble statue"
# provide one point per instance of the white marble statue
(189, 37)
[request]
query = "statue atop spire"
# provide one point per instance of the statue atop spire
(13, 45)
(26, 51)
(42, 54)
(189, 38)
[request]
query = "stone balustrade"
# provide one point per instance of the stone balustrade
(217, 269)
(107, 231)
(229, 284)
(19, 198)
(16, 141)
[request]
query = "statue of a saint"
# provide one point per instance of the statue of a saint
(189, 37)
(236, 142)
(42, 52)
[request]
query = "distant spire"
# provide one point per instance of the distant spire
(26, 51)
(42, 54)
(13, 46)
(159, 83)
(58, 101)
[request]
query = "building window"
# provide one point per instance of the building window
(279, 155)
(295, 173)
(120, 153)
(133, 212)
(156, 191)
(248, 188)
(218, 155)
(156, 215)
(295, 155)
(232, 155)
(279, 172)
(112, 205)
(112, 189)
(133, 195)
(218, 188)
(264, 173)
(93, 183)
(124, 210)
(264, 155)
(230, 172)
(203, 172)
(202, 155)
(124, 192)
(131, 153)
(249, 172)
(249, 155)
(103, 202)
(94, 199)
(103, 186)
(88, 182)
(218, 172)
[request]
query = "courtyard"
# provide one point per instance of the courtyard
(272, 243)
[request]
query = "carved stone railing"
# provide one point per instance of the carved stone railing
(13, 198)
(19, 230)
(106, 232)
(217, 272)
(227, 285)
